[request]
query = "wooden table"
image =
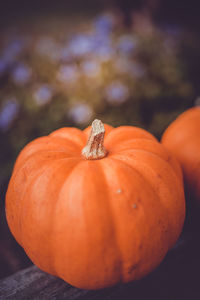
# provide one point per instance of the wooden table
(178, 277)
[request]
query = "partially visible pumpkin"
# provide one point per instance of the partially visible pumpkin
(182, 138)
(98, 216)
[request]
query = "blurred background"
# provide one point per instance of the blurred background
(65, 63)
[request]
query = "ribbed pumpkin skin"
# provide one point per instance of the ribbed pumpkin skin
(96, 223)
(182, 138)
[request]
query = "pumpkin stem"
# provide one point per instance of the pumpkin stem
(95, 148)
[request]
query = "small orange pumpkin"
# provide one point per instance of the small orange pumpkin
(182, 138)
(98, 216)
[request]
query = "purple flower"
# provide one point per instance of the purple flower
(126, 44)
(102, 46)
(117, 93)
(13, 48)
(81, 45)
(65, 53)
(8, 113)
(104, 23)
(87, 44)
(81, 113)
(21, 74)
(104, 52)
(90, 67)
(67, 73)
(43, 94)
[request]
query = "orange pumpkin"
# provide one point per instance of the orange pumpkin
(182, 138)
(98, 216)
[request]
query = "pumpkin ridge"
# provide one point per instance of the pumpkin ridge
(136, 266)
(24, 189)
(122, 145)
(138, 172)
(44, 155)
(119, 135)
(115, 231)
(112, 220)
(32, 149)
(54, 215)
(160, 197)
(158, 156)
(69, 141)
(53, 168)
(96, 163)
(66, 133)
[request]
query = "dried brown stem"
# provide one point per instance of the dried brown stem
(95, 148)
